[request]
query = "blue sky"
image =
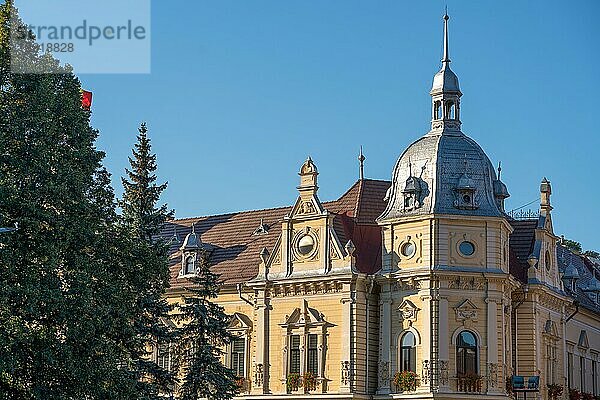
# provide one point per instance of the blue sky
(242, 91)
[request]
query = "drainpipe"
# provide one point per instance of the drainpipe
(576, 304)
(239, 289)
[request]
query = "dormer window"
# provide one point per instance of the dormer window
(465, 192)
(190, 266)
(412, 193)
(192, 252)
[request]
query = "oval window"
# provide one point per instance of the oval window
(306, 245)
(548, 261)
(466, 248)
(408, 249)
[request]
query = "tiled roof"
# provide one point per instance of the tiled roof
(235, 256)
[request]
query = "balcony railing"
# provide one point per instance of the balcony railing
(469, 384)
(307, 383)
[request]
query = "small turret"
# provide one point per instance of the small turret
(500, 190)
(308, 179)
(545, 192)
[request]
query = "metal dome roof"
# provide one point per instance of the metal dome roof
(445, 80)
(445, 161)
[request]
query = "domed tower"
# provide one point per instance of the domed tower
(445, 272)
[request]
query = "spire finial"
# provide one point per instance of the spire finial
(446, 58)
(193, 227)
(499, 169)
(361, 160)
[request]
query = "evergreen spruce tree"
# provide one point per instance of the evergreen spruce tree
(201, 340)
(66, 323)
(142, 221)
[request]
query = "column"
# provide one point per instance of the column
(345, 355)
(492, 345)
(260, 383)
(444, 345)
(385, 333)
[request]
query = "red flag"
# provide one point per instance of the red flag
(86, 100)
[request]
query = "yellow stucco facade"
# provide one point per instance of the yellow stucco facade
(424, 273)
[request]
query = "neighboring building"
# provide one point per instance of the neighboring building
(426, 273)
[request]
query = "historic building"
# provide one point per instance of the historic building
(424, 273)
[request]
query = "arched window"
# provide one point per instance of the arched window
(437, 110)
(451, 113)
(189, 266)
(408, 353)
(466, 353)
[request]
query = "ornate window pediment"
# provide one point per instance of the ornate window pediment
(408, 311)
(583, 340)
(304, 316)
(466, 311)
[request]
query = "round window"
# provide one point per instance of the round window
(467, 198)
(408, 249)
(306, 245)
(466, 248)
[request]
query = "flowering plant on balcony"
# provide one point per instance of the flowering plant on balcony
(309, 381)
(587, 396)
(293, 382)
(405, 381)
(554, 391)
(574, 394)
(240, 382)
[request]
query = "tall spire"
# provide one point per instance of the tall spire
(446, 58)
(445, 94)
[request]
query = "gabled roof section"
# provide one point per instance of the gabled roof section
(521, 244)
(235, 256)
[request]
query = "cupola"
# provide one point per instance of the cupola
(500, 190)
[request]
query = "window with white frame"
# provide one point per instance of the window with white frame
(236, 355)
(163, 355)
(569, 370)
(304, 344)
(408, 352)
(312, 356)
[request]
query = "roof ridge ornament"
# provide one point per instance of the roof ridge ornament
(361, 160)
(446, 58)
